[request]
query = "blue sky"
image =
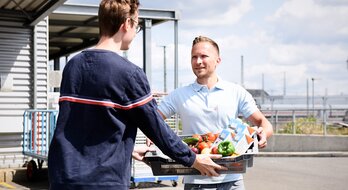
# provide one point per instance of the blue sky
(298, 39)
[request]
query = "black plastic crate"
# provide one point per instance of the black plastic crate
(167, 166)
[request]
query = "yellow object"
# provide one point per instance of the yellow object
(205, 151)
(6, 185)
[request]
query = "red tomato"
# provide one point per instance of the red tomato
(210, 137)
(202, 145)
(200, 139)
(214, 150)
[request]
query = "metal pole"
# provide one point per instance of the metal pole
(307, 98)
(176, 52)
(35, 69)
(272, 117)
(56, 67)
(313, 95)
(147, 25)
(324, 114)
(176, 67)
(293, 122)
(263, 89)
(242, 72)
(276, 122)
(284, 92)
(165, 70)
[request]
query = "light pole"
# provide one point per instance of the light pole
(242, 72)
(313, 95)
(307, 98)
(165, 69)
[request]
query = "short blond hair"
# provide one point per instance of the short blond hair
(206, 39)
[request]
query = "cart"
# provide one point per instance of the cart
(38, 129)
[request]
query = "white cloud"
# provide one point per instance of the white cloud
(343, 31)
(303, 38)
(310, 20)
(224, 13)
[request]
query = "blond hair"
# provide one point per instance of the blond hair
(206, 39)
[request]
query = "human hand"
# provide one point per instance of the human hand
(262, 137)
(148, 142)
(139, 152)
(206, 165)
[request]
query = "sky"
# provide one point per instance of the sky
(284, 43)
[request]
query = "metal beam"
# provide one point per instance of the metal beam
(176, 62)
(45, 11)
(74, 35)
(77, 9)
(156, 14)
(147, 25)
(70, 23)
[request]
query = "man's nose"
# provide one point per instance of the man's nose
(199, 61)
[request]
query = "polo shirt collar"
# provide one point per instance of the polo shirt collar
(220, 85)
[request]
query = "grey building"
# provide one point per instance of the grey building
(34, 33)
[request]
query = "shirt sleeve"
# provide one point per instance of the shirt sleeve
(147, 118)
(247, 105)
(167, 105)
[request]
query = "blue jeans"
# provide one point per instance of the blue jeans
(233, 185)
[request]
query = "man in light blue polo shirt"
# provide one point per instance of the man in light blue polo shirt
(208, 104)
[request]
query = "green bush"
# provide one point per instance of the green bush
(306, 125)
(310, 125)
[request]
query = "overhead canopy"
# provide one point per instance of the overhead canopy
(27, 12)
(72, 27)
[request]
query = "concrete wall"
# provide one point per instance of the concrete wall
(306, 143)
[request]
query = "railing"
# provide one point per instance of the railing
(282, 118)
(38, 129)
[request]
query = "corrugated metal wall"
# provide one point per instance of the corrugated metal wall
(17, 60)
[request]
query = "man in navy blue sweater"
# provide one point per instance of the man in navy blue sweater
(104, 98)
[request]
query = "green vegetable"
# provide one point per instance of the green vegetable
(190, 140)
(226, 148)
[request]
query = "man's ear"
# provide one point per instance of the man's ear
(126, 25)
(218, 60)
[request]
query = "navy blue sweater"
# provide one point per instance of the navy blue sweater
(104, 99)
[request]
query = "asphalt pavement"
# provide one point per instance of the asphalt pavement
(292, 172)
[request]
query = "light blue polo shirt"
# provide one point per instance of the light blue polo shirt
(203, 110)
(208, 110)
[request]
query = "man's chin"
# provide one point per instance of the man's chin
(125, 48)
(199, 74)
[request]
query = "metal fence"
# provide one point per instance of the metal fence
(38, 129)
(282, 119)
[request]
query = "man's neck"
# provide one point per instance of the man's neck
(109, 43)
(209, 82)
